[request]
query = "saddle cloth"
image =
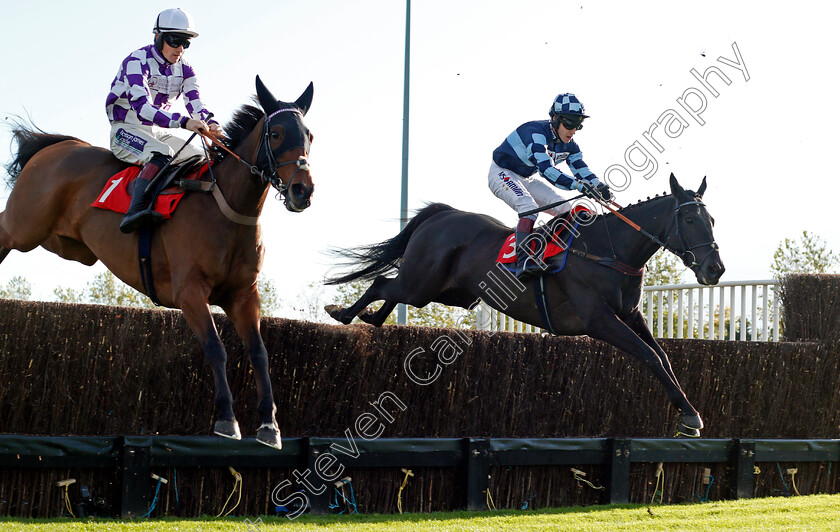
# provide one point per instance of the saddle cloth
(116, 195)
(507, 255)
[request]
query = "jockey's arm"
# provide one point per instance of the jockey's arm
(196, 108)
(140, 98)
(585, 178)
(546, 168)
(580, 170)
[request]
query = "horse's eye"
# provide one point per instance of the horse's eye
(275, 135)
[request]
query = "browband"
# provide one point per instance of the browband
(288, 110)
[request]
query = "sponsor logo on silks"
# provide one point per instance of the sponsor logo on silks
(512, 185)
(559, 156)
(130, 142)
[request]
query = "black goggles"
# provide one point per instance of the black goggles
(570, 123)
(176, 39)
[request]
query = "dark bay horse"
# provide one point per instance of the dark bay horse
(448, 256)
(200, 257)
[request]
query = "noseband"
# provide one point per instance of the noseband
(687, 254)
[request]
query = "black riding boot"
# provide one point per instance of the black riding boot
(526, 264)
(139, 214)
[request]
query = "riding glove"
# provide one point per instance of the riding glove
(604, 190)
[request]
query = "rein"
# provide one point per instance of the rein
(683, 255)
(271, 178)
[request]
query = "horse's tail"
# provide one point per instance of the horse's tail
(30, 140)
(379, 259)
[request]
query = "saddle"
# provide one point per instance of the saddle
(167, 189)
(557, 234)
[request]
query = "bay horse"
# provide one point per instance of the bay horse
(200, 257)
(449, 256)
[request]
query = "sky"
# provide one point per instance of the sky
(479, 68)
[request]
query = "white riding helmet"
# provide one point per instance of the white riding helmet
(175, 20)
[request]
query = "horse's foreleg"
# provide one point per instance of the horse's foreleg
(245, 314)
(605, 325)
(3, 253)
(637, 323)
(193, 302)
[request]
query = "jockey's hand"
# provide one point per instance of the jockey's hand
(587, 189)
(197, 125)
(604, 190)
(215, 129)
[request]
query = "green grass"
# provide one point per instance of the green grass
(811, 513)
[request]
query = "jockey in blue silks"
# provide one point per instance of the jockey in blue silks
(537, 147)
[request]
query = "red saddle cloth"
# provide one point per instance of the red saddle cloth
(115, 196)
(507, 254)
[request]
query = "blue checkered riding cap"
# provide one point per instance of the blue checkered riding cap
(567, 104)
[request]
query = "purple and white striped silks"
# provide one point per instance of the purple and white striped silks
(145, 87)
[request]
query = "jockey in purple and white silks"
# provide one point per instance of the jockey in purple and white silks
(535, 148)
(147, 83)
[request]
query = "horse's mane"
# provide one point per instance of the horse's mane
(240, 126)
(627, 209)
(630, 207)
(641, 203)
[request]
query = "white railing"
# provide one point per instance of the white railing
(750, 312)
(490, 319)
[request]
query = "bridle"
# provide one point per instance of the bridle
(269, 174)
(687, 254)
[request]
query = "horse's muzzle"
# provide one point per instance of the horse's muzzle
(710, 270)
(298, 197)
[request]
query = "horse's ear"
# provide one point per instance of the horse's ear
(702, 188)
(266, 99)
(305, 101)
(676, 189)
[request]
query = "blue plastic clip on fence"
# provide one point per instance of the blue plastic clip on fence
(527, 502)
(708, 487)
(160, 480)
(787, 491)
(175, 485)
(349, 504)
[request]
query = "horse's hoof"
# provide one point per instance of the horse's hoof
(227, 429)
(691, 421)
(367, 316)
(688, 432)
(689, 425)
(335, 312)
(269, 435)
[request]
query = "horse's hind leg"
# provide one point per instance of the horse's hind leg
(23, 227)
(378, 318)
(3, 253)
(374, 293)
(245, 315)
